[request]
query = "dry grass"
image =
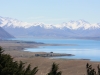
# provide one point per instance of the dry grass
(68, 67)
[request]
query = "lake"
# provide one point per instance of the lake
(84, 49)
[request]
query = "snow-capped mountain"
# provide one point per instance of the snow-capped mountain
(78, 28)
(81, 24)
(74, 25)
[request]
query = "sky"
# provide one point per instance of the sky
(51, 11)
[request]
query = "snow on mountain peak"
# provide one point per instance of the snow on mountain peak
(80, 24)
(13, 22)
(74, 25)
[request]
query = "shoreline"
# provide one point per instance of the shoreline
(17, 48)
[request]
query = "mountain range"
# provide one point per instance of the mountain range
(71, 29)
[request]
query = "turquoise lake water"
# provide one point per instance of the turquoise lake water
(84, 49)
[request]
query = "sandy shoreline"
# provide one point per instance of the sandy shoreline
(67, 66)
(17, 48)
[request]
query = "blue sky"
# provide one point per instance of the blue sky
(51, 11)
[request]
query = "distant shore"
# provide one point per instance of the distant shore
(16, 48)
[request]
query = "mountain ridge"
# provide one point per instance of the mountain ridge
(80, 28)
(5, 21)
(4, 34)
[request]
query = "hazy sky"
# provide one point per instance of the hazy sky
(51, 11)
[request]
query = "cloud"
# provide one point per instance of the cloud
(35, 18)
(46, 19)
(43, 19)
(56, 19)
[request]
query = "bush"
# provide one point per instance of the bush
(54, 70)
(10, 67)
(92, 71)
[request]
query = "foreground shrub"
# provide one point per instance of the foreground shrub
(92, 71)
(54, 70)
(10, 67)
